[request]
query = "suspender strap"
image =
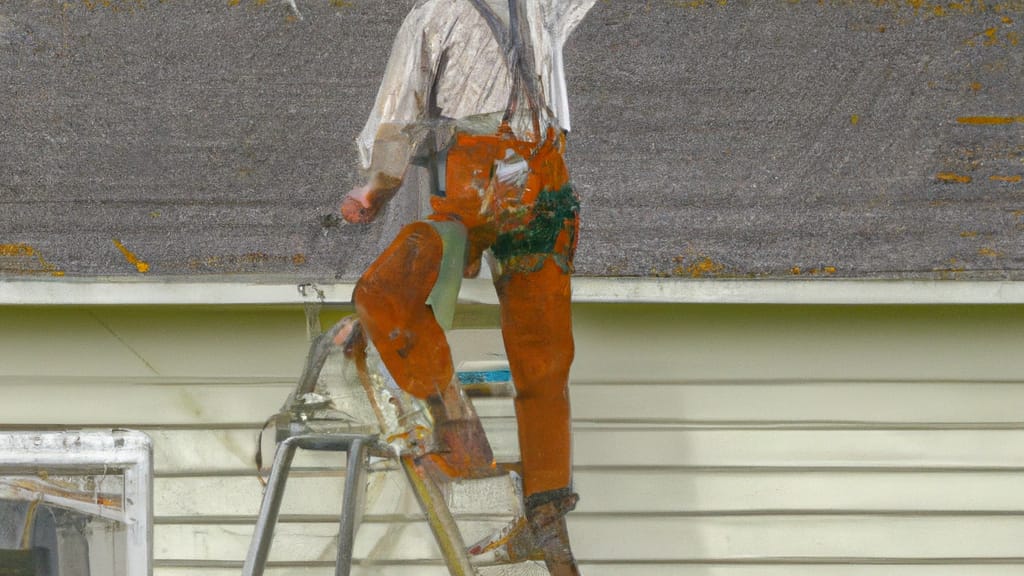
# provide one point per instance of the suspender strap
(516, 52)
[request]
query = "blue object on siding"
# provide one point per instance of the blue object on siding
(484, 376)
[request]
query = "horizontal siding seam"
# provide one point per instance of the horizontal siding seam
(603, 425)
(636, 515)
(646, 468)
(758, 561)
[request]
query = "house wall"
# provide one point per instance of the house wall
(713, 440)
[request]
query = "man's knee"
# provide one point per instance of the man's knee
(406, 270)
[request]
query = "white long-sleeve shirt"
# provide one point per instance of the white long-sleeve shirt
(476, 82)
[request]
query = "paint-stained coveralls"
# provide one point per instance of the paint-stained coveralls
(475, 92)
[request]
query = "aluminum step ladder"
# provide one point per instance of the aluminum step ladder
(358, 447)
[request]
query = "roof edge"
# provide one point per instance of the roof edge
(610, 290)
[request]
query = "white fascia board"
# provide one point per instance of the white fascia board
(838, 291)
(237, 292)
(75, 292)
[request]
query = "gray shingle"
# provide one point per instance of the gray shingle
(749, 139)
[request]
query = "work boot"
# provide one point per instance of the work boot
(545, 514)
(540, 535)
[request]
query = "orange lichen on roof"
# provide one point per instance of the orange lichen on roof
(24, 259)
(115, 6)
(989, 120)
(1011, 179)
(704, 267)
(132, 259)
(698, 268)
(796, 270)
(953, 178)
(991, 38)
(256, 257)
(16, 250)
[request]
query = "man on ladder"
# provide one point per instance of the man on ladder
(475, 92)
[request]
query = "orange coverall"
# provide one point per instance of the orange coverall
(530, 225)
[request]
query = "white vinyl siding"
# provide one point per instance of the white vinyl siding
(712, 440)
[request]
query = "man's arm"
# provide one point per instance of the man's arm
(385, 145)
(391, 150)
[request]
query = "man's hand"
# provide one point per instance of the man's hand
(357, 208)
(362, 204)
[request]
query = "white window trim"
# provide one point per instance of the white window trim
(127, 450)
